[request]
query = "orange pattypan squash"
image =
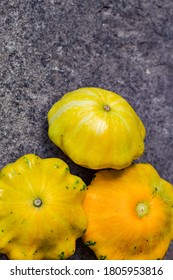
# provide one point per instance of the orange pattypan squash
(41, 213)
(96, 128)
(130, 214)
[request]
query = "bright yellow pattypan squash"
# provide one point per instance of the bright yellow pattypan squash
(130, 214)
(96, 128)
(41, 213)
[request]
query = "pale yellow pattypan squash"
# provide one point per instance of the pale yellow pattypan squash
(130, 214)
(96, 128)
(41, 213)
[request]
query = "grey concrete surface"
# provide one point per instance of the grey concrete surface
(50, 47)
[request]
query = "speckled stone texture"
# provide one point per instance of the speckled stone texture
(50, 47)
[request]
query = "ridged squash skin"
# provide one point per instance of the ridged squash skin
(130, 214)
(96, 128)
(41, 212)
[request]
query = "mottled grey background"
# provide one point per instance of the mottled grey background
(50, 47)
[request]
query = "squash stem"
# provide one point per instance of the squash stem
(142, 209)
(37, 202)
(107, 108)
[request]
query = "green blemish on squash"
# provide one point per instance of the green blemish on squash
(90, 243)
(61, 256)
(101, 257)
(67, 169)
(155, 191)
(75, 184)
(56, 165)
(27, 161)
(2, 174)
(84, 187)
(35, 252)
